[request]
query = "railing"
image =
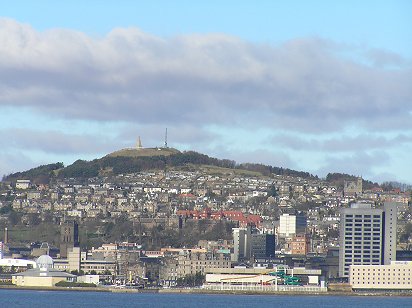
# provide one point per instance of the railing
(264, 288)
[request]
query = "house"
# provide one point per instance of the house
(23, 184)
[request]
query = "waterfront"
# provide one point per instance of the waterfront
(30, 298)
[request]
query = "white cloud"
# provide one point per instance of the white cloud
(342, 143)
(359, 164)
(190, 83)
(129, 75)
(53, 141)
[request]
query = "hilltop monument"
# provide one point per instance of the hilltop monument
(139, 144)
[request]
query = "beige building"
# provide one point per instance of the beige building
(190, 263)
(396, 276)
(41, 277)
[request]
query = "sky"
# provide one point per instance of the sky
(317, 86)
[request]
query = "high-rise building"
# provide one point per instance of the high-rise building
(241, 243)
(390, 224)
(262, 245)
(69, 237)
(367, 236)
(291, 224)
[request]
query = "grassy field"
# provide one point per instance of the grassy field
(45, 232)
(227, 171)
(145, 152)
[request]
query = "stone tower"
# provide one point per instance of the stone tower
(69, 237)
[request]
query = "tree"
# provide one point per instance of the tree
(191, 280)
(6, 209)
(272, 192)
(14, 218)
(202, 226)
(406, 234)
(34, 219)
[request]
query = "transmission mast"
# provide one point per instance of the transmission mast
(166, 139)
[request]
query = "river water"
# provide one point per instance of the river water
(62, 299)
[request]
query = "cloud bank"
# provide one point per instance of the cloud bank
(302, 86)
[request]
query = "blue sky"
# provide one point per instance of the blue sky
(318, 86)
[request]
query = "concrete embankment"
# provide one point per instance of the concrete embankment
(335, 291)
(82, 289)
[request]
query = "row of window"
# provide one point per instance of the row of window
(360, 216)
(383, 282)
(366, 227)
(349, 244)
(359, 238)
(384, 269)
(362, 261)
(366, 216)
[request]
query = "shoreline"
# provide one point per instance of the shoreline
(205, 291)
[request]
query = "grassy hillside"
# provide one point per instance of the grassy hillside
(136, 160)
(145, 152)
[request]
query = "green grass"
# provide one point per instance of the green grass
(145, 152)
(220, 170)
(45, 232)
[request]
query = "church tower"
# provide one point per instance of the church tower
(359, 185)
(69, 237)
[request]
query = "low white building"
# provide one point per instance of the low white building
(396, 276)
(17, 263)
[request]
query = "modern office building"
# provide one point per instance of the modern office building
(262, 246)
(367, 236)
(291, 224)
(241, 243)
(390, 224)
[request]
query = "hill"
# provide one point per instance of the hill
(137, 160)
(38, 175)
